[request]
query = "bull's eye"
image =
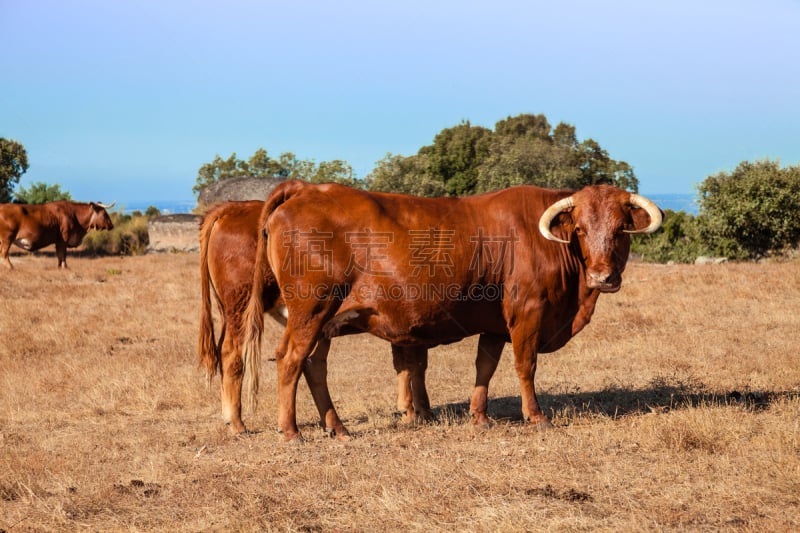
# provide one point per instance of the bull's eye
(579, 230)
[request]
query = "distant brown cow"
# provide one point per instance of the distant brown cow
(228, 240)
(524, 265)
(63, 223)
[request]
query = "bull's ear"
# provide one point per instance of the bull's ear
(563, 224)
(640, 219)
(564, 219)
(558, 215)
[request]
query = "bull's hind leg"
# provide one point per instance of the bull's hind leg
(315, 370)
(490, 348)
(290, 364)
(232, 370)
(411, 362)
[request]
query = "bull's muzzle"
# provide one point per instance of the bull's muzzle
(603, 281)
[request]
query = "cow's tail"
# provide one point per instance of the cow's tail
(208, 351)
(253, 320)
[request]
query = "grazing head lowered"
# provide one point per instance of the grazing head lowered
(63, 223)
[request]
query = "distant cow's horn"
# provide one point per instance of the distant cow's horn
(104, 206)
(656, 216)
(551, 213)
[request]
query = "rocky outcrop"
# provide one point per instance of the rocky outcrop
(241, 188)
(179, 233)
(174, 233)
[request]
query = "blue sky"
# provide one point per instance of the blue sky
(126, 100)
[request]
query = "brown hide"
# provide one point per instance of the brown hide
(422, 272)
(63, 223)
(228, 241)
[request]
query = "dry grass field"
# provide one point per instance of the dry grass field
(677, 408)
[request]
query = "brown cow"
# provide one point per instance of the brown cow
(228, 241)
(524, 265)
(63, 223)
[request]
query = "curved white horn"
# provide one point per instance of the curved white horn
(104, 206)
(551, 213)
(656, 216)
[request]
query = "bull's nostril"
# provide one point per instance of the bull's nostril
(598, 277)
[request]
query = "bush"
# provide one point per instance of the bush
(129, 237)
(751, 212)
(748, 214)
(678, 240)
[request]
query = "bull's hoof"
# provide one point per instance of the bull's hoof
(293, 437)
(418, 417)
(481, 421)
(407, 418)
(237, 429)
(340, 434)
(424, 415)
(542, 425)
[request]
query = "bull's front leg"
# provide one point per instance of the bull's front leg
(61, 253)
(410, 363)
(525, 346)
(490, 348)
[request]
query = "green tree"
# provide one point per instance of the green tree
(261, 165)
(564, 136)
(336, 171)
(455, 155)
(40, 192)
(525, 125)
(524, 149)
(13, 164)
(752, 211)
(407, 175)
(217, 170)
(523, 160)
(597, 167)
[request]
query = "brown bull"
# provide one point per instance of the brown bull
(228, 241)
(63, 223)
(523, 265)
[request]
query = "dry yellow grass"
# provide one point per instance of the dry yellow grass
(677, 409)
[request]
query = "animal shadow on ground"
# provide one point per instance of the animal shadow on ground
(616, 402)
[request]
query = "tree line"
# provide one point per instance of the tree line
(462, 160)
(749, 213)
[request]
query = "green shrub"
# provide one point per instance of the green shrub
(751, 212)
(747, 214)
(678, 240)
(129, 237)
